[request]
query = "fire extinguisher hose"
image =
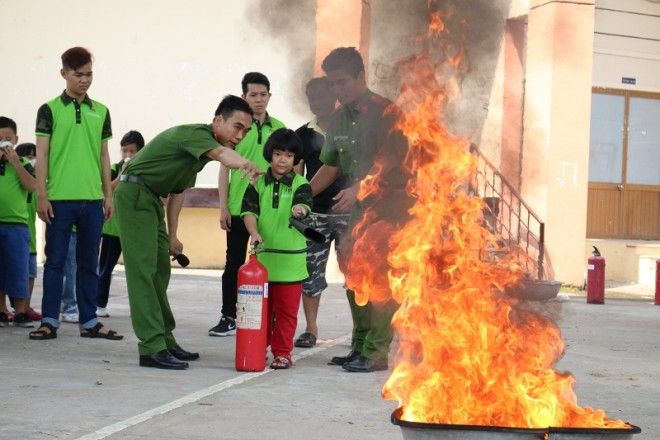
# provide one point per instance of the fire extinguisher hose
(284, 251)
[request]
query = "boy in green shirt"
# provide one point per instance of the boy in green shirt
(268, 205)
(16, 182)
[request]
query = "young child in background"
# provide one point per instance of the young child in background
(267, 206)
(131, 143)
(16, 182)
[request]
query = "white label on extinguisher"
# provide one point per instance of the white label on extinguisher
(266, 290)
(248, 306)
(590, 267)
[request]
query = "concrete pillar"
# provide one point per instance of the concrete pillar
(341, 23)
(556, 122)
(513, 100)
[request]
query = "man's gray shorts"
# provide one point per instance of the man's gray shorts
(333, 227)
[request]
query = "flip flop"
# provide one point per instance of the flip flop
(305, 340)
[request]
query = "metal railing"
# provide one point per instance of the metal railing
(519, 228)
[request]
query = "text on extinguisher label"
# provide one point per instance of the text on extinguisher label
(590, 267)
(248, 306)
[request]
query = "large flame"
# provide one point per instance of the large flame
(467, 353)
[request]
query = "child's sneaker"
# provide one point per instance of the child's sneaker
(33, 314)
(226, 327)
(23, 320)
(102, 312)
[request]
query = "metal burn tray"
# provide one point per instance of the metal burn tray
(433, 431)
(593, 433)
(439, 431)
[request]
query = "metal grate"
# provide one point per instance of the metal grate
(520, 229)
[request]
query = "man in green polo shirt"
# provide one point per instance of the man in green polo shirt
(231, 187)
(360, 131)
(165, 167)
(73, 188)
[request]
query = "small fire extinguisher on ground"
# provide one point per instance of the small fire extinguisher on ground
(596, 278)
(251, 314)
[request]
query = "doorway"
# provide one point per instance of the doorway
(624, 165)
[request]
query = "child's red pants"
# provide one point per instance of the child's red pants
(283, 304)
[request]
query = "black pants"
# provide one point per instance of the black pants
(237, 240)
(110, 252)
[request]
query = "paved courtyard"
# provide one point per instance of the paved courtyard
(75, 388)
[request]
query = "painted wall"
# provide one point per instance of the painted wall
(158, 63)
(627, 44)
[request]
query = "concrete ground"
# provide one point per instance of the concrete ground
(74, 388)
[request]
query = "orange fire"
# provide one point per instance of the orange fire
(467, 353)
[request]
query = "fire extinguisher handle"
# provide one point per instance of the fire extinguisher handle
(596, 252)
(257, 247)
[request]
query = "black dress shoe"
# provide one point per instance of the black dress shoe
(182, 354)
(162, 359)
(365, 365)
(341, 360)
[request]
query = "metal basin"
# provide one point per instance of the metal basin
(439, 431)
(535, 290)
(432, 431)
(593, 433)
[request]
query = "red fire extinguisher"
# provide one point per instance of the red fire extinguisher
(596, 278)
(251, 315)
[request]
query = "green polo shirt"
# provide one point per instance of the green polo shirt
(271, 201)
(13, 197)
(76, 132)
(251, 148)
(111, 227)
(359, 131)
(171, 161)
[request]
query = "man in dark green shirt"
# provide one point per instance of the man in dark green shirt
(360, 131)
(165, 167)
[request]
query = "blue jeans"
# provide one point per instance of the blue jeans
(88, 218)
(14, 260)
(69, 303)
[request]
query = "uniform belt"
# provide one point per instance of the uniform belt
(132, 179)
(138, 181)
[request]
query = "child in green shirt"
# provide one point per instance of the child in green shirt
(268, 204)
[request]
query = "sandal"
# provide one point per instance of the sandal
(281, 363)
(45, 331)
(95, 333)
(305, 340)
